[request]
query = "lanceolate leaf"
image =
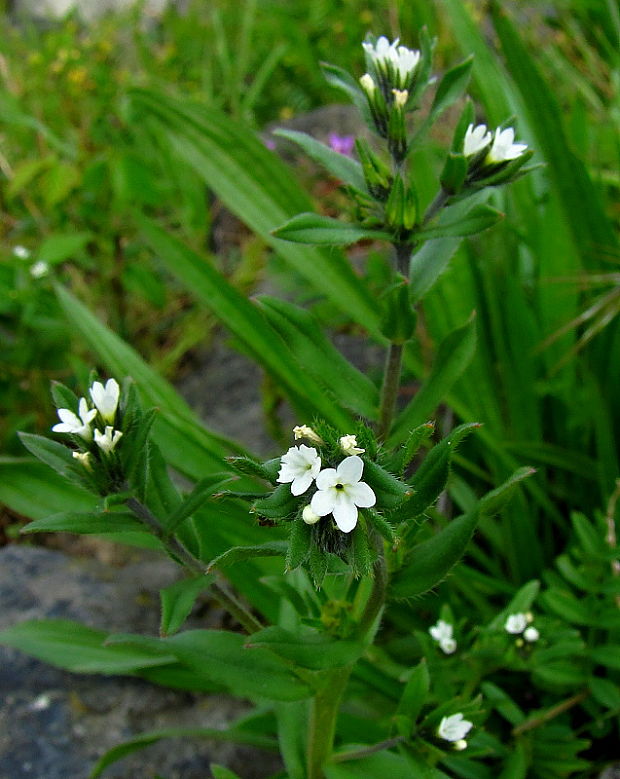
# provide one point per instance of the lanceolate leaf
(342, 167)
(480, 218)
(177, 601)
(309, 649)
(244, 320)
(240, 553)
(325, 231)
(453, 356)
(431, 561)
(254, 184)
(307, 342)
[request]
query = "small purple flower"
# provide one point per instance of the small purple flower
(269, 143)
(343, 144)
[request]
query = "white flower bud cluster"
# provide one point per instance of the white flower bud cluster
(105, 403)
(442, 633)
(520, 624)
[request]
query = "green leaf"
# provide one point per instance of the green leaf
(192, 502)
(308, 648)
(177, 600)
(431, 561)
(239, 553)
(451, 87)
(325, 231)
(220, 772)
(77, 648)
(605, 692)
(300, 541)
(222, 657)
(385, 764)
(254, 184)
(517, 764)
(607, 655)
(415, 694)
(234, 735)
(454, 354)
(303, 334)
(86, 524)
(62, 246)
(244, 320)
(52, 453)
(493, 502)
(480, 218)
(342, 167)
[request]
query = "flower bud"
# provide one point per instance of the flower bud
(308, 516)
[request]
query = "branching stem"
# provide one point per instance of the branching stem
(219, 590)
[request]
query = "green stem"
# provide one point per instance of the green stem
(175, 548)
(390, 388)
(322, 723)
(357, 754)
(376, 599)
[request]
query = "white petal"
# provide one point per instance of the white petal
(345, 514)
(301, 483)
(323, 502)
(361, 494)
(68, 417)
(327, 478)
(62, 427)
(350, 470)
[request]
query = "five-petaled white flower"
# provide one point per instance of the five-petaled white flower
(503, 147)
(106, 398)
(300, 465)
(454, 728)
(108, 440)
(348, 444)
(516, 623)
(340, 492)
(442, 633)
(476, 139)
(403, 60)
(70, 423)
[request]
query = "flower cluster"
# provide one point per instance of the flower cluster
(520, 624)
(339, 491)
(392, 65)
(104, 400)
(442, 633)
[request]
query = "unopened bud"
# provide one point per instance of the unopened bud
(400, 97)
(303, 431)
(308, 516)
(368, 83)
(460, 745)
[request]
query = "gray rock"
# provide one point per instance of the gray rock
(89, 10)
(54, 724)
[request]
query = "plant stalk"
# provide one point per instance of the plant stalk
(390, 388)
(219, 591)
(322, 724)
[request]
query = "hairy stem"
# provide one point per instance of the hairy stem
(390, 388)
(551, 713)
(357, 754)
(376, 599)
(322, 723)
(220, 592)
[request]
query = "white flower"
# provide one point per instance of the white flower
(476, 139)
(300, 465)
(503, 147)
(340, 492)
(84, 458)
(403, 60)
(531, 634)
(39, 269)
(106, 398)
(108, 440)
(308, 516)
(368, 83)
(70, 423)
(21, 252)
(454, 728)
(303, 431)
(348, 444)
(442, 633)
(515, 624)
(400, 97)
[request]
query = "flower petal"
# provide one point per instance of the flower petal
(301, 483)
(323, 502)
(350, 469)
(345, 514)
(361, 494)
(327, 478)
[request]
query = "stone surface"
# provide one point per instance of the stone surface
(89, 10)
(54, 724)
